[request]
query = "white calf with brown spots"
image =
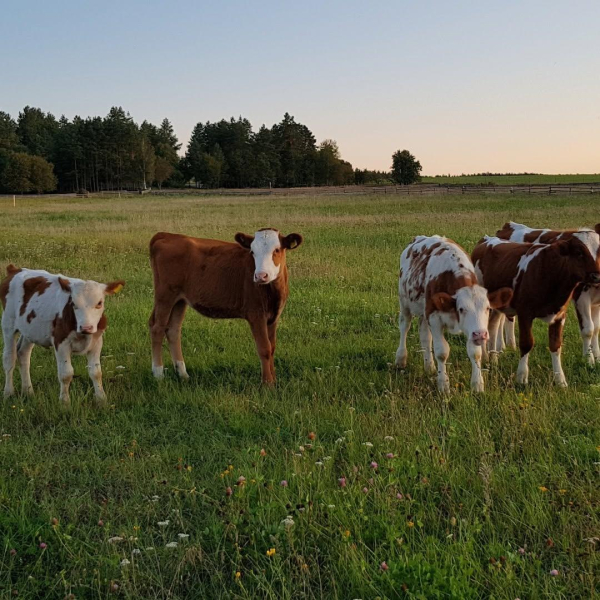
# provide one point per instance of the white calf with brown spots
(48, 310)
(438, 284)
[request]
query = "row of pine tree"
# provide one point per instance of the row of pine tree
(40, 153)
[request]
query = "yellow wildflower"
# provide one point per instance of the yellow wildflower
(543, 489)
(271, 552)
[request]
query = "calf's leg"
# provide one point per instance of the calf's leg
(263, 348)
(95, 369)
(24, 349)
(425, 338)
(402, 352)
(496, 339)
(9, 358)
(159, 322)
(509, 332)
(442, 352)
(596, 319)
(174, 338)
(475, 352)
(65, 370)
(583, 308)
(555, 335)
(525, 345)
(272, 333)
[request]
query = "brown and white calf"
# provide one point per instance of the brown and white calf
(586, 296)
(543, 278)
(438, 284)
(55, 311)
(221, 280)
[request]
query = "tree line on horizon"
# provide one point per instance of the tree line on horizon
(40, 153)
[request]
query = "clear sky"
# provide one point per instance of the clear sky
(467, 86)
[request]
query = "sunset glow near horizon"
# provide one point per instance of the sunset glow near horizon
(467, 87)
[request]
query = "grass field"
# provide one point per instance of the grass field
(512, 179)
(360, 481)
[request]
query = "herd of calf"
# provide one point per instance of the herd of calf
(521, 272)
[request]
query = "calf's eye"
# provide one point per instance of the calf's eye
(99, 305)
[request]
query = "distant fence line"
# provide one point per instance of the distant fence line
(403, 190)
(400, 190)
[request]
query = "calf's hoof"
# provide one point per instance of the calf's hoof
(560, 381)
(27, 391)
(477, 387)
(401, 361)
(158, 372)
(9, 393)
(443, 385)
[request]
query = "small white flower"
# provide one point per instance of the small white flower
(115, 539)
(155, 498)
(389, 438)
(149, 548)
(331, 506)
(171, 545)
(136, 552)
(183, 536)
(120, 367)
(301, 448)
(298, 454)
(125, 562)
(368, 444)
(339, 440)
(163, 523)
(287, 523)
(327, 458)
(319, 463)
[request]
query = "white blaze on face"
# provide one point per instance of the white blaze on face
(88, 304)
(473, 308)
(266, 243)
(591, 240)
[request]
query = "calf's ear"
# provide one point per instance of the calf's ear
(64, 284)
(291, 241)
(444, 302)
(597, 228)
(500, 298)
(114, 287)
(244, 240)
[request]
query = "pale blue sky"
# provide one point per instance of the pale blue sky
(467, 86)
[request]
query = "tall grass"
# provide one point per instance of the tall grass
(348, 480)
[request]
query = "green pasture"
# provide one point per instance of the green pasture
(348, 479)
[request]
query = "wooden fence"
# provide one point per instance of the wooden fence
(403, 190)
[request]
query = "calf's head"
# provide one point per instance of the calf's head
(88, 301)
(472, 306)
(268, 247)
(582, 252)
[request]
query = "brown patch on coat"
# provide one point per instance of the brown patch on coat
(11, 271)
(33, 285)
(31, 316)
(447, 283)
(63, 325)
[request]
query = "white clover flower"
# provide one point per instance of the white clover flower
(340, 440)
(388, 438)
(287, 523)
(368, 444)
(136, 552)
(171, 545)
(327, 458)
(183, 536)
(163, 523)
(155, 498)
(125, 562)
(319, 463)
(115, 539)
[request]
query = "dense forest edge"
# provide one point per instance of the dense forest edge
(40, 153)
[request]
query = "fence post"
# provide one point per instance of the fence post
(14, 200)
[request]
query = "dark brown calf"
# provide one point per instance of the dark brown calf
(586, 297)
(221, 280)
(543, 278)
